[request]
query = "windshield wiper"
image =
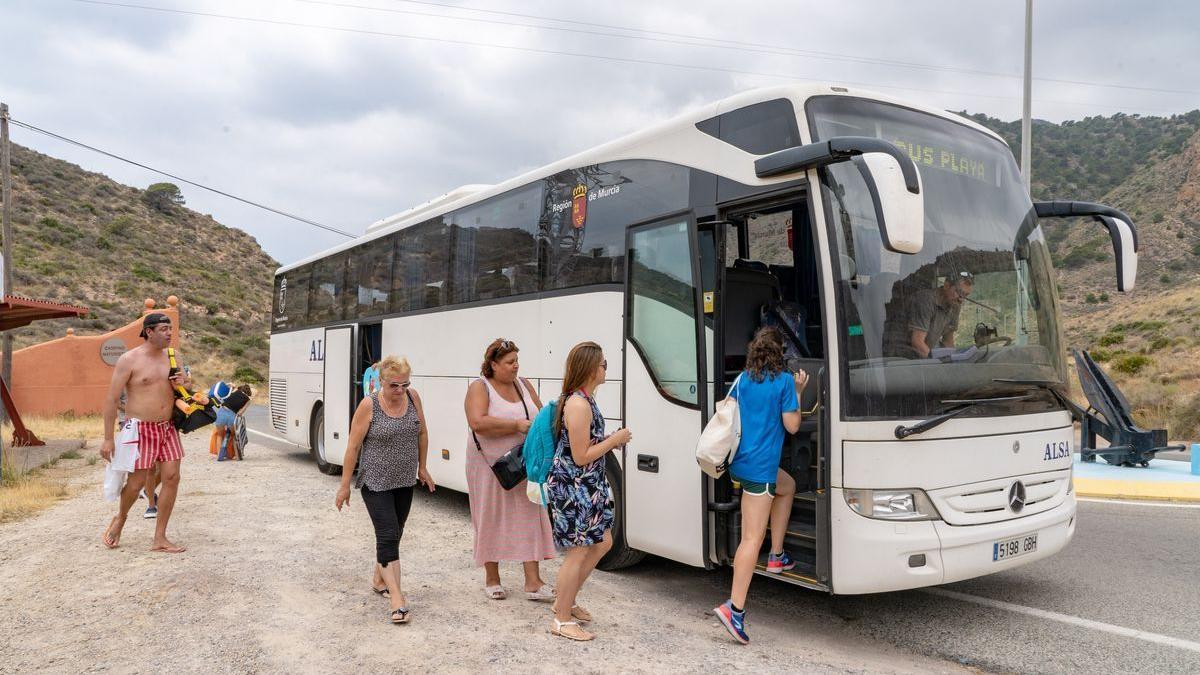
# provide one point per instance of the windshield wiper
(1050, 386)
(959, 406)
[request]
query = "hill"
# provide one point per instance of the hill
(1149, 167)
(81, 238)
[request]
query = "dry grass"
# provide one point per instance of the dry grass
(83, 428)
(23, 494)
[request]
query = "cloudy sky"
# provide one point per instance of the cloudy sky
(347, 111)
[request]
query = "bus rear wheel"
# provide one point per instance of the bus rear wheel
(620, 555)
(316, 443)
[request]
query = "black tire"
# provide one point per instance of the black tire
(620, 555)
(316, 443)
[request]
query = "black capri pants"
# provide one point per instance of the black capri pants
(389, 511)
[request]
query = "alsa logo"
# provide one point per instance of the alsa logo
(316, 352)
(1057, 450)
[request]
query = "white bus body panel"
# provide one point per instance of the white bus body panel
(968, 480)
(296, 376)
(339, 355)
(664, 510)
(445, 349)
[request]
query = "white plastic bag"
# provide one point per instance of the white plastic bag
(536, 492)
(719, 441)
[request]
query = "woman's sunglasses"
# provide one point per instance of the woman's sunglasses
(604, 364)
(399, 385)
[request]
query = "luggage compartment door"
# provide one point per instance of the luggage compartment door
(338, 391)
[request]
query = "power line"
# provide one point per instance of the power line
(554, 52)
(72, 141)
(723, 43)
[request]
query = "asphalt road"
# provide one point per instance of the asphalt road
(1122, 597)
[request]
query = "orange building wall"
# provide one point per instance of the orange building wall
(67, 375)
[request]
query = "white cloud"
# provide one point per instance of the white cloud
(346, 128)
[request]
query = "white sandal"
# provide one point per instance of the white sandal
(496, 592)
(544, 593)
(578, 634)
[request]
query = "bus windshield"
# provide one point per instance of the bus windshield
(975, 313)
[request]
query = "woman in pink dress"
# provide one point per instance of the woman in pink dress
(508, 527)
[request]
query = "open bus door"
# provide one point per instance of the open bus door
(665, 392)
(338, 396)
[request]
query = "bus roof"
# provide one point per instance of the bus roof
(632, 146)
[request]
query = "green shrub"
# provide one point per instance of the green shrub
(248, 375)
(1131, 363)
(119, 226)
(1100, 355)
(1158, 217)
(103, 244)
(1091, 299)
(1159, 341)
(1165, 278)
(1196, 249)
(143, 271)
(1109, 339)
(210, 340)
(1104, 297)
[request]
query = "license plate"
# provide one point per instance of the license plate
(1011, 548)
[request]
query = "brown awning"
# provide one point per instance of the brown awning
(17, 311)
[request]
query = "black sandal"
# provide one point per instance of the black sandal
(382, 591)
(398, 615)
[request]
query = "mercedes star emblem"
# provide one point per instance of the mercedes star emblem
(1016, 497)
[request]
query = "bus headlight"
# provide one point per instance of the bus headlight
(891, 504)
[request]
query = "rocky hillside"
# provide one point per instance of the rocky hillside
(83, 239)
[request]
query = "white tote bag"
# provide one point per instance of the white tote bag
(719, 441)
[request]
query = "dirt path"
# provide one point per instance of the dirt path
(275, 580)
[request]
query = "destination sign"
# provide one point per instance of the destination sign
(944, 159)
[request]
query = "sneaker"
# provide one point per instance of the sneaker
(779, 563)
(151, 512)
(734, 622)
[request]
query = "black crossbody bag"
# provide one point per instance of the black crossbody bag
(510, 467)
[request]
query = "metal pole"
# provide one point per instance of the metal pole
(1026, 120)
(6, 195)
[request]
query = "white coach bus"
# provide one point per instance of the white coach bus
(820, 208)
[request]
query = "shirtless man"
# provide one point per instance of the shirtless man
(143, 373)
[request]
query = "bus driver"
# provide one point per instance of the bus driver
(929, 318)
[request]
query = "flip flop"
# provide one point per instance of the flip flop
(398, 615)
(543, 594)
(109, 540)
(496, 592)
(382, 591)
(572, 631)
(174, 548)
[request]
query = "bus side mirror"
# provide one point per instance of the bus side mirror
(891, 176)
(1120, 229)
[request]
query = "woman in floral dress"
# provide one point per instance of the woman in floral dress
(581, 506)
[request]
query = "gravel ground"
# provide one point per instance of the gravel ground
(276, 580)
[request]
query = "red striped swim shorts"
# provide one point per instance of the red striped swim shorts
(157, 442)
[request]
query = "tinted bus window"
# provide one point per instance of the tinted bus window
(585, 212)
(419, 273)
(495, 250)
(370, 278)
(290, 303)
(758, 129)
(325, 297)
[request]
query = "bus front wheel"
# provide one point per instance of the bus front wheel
(316, 443)
(620, 555)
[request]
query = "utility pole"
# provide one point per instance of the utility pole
(1026, 120)
(6, 195)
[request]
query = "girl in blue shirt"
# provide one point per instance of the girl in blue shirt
(768, 403)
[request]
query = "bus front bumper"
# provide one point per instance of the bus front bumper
(874, 556)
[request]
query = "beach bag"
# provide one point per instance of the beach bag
(196, 416)
(539, 453)
(719, 441)
(510, 467)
